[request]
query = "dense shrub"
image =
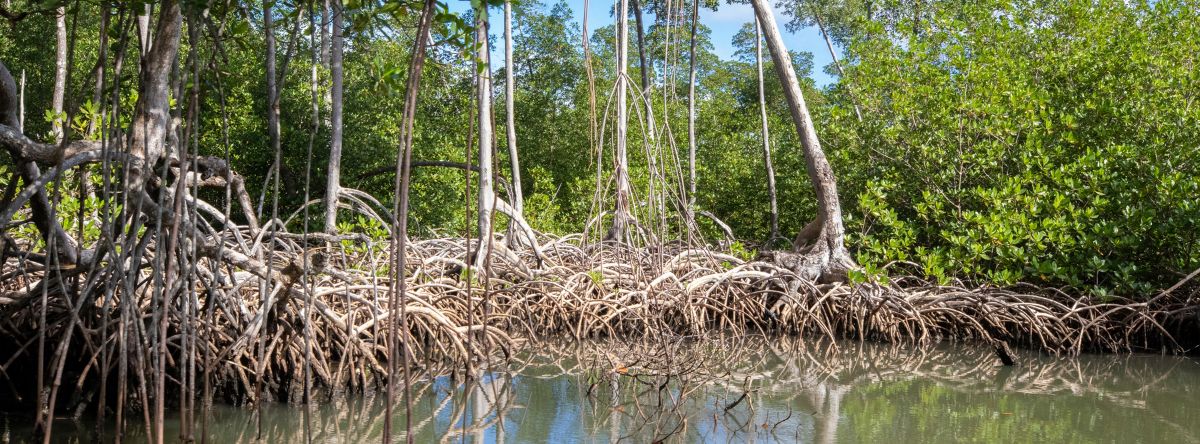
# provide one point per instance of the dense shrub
(1054, 144)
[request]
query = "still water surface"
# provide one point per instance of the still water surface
(752, 390)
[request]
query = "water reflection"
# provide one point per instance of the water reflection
(753, 389)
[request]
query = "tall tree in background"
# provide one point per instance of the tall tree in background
(333, 178)
(644, 68)
(272, 98)
(487, 193)
(622, 216)
(591, 76)
(60, 71)
(510, 90)
(821, 244)
(766, 132)
(692, 114)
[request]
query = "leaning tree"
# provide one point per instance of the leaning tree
(819, 251)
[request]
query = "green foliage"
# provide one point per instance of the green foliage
(1051, 144)
(1002, 141)
(372, 228)
(740, 251)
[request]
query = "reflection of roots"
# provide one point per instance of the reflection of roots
(664, 381)
(236, 336)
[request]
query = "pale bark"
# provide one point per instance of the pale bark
(60, 72)
(487, 195)
(151, 126)
(143, 29)
(821, 245)
(510, 90)
(766, 132)
(622, 218)
(587, 65)
(333, 178)
(151, 120)
(276, 77)
(692, 113)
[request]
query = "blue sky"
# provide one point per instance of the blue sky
(724, 22)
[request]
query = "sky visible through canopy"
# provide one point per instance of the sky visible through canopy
(724, 22)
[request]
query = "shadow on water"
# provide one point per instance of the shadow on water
(750, 389)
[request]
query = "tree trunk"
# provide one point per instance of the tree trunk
(766, 132)
(151, 119)
(272, 90)
(510, 90)
(692, 113)
(820, 250)
(334, 173)
(151, 126)
(326, 9)
(487, 196)
(622, 218)
(21, 104)
(587, 66)
(143, 27)
(60, 71)
(645, 69)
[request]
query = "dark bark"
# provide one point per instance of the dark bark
(1004, 353)
(272, 96)
(644, 67)
(399, 249)
(18, 146)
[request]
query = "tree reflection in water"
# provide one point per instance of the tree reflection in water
(721, 389)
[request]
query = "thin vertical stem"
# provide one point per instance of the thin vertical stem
(510, 90)
(692, 115)
(766, 132)
(400, 243)
(333, 177)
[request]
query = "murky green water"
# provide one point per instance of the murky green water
(754, 390)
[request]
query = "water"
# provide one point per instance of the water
(753, 390)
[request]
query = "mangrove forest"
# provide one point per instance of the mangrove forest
(599, 221)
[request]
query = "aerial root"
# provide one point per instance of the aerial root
(336, 318)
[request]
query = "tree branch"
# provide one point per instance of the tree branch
(24, 148)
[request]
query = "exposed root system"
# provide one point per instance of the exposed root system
(326, 310)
